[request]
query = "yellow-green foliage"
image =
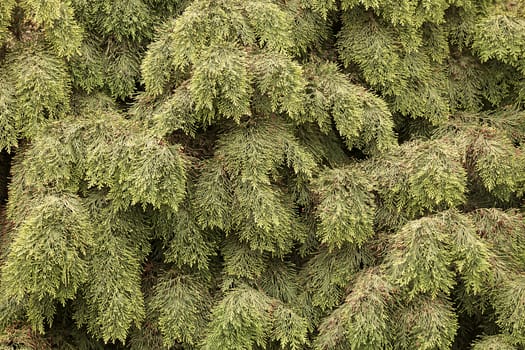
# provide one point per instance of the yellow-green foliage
(262, 174)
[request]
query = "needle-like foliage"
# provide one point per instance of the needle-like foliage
(262, 174)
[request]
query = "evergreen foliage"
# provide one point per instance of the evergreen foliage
(262, 174)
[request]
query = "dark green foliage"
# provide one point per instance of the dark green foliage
(262, 174)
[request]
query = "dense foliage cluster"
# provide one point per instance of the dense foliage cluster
(262, 174)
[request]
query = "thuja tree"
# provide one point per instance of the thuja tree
(262, 174)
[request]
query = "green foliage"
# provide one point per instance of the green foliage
(363, 319)
(8, 122)
(62, 30)
(419, 258)
(133, 22)
(361, 118)
(248, 319)
(311, 26)
(48, 260)
(6, 9)
(493, 342)
(390, 59)
(37, 88)
(239, 321)
(346, 208)
(501, 37)
(262, 174)
(224, 68)
(326, 274)
(157, 66)
(418, 178)
(250, 156)
(504, 232)
(472, 255)
(186, 243)
(183, 307)
(323, 7)
(111, 299)
(405, 12)
(163, 168)
(289, 328)
(426, 323)
(280, 281)
(496, 162)
(281, 80)
(241, 261)
(509, 308)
